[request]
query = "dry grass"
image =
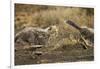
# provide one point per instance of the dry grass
(44, 16)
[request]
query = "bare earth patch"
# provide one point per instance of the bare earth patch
(64, 54)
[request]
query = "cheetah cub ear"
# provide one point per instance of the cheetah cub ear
(53, 28)
(50, 28)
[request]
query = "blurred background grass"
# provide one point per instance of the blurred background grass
(44, 16)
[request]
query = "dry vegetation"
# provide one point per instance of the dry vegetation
(45, 16)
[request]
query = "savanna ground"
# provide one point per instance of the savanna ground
(65, 47)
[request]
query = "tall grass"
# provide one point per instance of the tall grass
(44, 16)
